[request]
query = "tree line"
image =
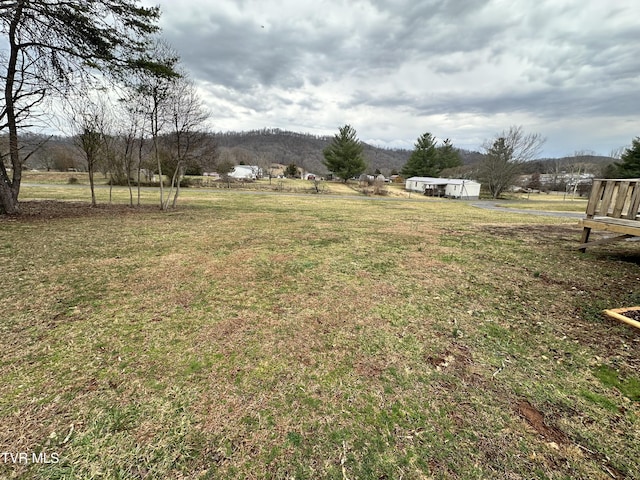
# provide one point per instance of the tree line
(132, 109)
(503, 156)
(503, 160)
(129, 105)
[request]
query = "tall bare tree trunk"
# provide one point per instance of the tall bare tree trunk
(175, 197)
(139, 167)
(159, 163)
(8, 203)
(9, 189)
(91, 184)
(154, 132)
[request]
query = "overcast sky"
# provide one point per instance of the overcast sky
(394, 69)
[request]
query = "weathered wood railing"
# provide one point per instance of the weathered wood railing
(613, 206)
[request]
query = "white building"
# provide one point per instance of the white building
(246, 172)
(444, 187)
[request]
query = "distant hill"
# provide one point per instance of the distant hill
(267, 146)
(274, 146)
(594, 164)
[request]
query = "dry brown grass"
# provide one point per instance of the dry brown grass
(255, 336)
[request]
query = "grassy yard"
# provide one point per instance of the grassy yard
(285, 185)
(555, 201)
(278, 336)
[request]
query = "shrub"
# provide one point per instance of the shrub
(379, 188)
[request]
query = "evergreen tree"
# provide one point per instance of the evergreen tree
(422, 161)
(609, 171)
(629, 167)
(498, 171)
(343, 156)
(428, 160)
(448, 157)
(291, 170)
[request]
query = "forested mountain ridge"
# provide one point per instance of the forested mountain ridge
(273, 146)
(305, 150)
(266, 146)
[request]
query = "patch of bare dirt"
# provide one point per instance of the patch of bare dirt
(43, 210)
(569, 236)
(370, 368)
(457, 355)
(535, 418)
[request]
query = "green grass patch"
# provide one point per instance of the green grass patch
(601, 400)
(628, 385)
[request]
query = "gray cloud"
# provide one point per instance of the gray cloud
(418, 65)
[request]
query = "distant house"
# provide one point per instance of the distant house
(444, 187)
(246, 172)
(560, 179)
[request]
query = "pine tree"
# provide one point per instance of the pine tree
(343, 156)
(428, 160)
(629, 167)
(448, 156)
(291, 170)
(422, 162)
(498, 169)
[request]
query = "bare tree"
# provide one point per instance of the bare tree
(186, 136)
(64, 156)
(152, 88)
(89, 118)
(504, 155)
(47, 45)
(129, 142)
(137, 107)
(264, 162)
(576, 169)
(617, 152)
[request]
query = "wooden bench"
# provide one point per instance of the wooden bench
(613, 207)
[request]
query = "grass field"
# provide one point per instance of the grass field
(286, 185)
(279, 336)
(555, 201)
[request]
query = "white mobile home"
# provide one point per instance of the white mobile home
(246, 172)
(444, 187)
